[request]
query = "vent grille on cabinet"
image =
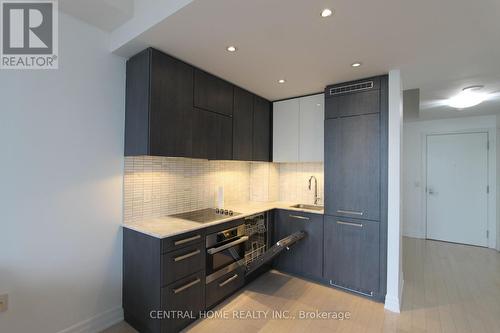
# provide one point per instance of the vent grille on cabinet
(351, 88)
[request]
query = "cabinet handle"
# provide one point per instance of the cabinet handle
(234, 277)
(187, 255)
(186, 240)
(214, 250)
(299, 217)
(186, 286)
(357, 225)
(351, 212)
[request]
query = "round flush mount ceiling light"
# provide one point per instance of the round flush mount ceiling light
(231, 48)
(326, 12)
(281, 81)
(356, 64)
(468, 97)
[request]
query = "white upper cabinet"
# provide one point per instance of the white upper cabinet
(286, 131)
(312, 127)
(298, 129)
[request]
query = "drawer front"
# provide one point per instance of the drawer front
(183, 240)
(353, 104)
(187, 296)
(181, 263)
(224, 286)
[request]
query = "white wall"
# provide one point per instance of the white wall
(414, 170)
(394, 240)
(61, 143)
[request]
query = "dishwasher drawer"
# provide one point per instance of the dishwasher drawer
(224, 286)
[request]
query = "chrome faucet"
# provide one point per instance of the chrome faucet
(316, 197)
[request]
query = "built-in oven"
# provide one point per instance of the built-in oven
(225, 252)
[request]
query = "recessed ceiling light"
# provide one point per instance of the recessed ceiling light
(467, 98)
(231, 48)
(326, 12)
(281, 81)
(356, 64)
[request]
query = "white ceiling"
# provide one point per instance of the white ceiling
(440, 46)
(104, 14)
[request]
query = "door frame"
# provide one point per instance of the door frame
(491, 201)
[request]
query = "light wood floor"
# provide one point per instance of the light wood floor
(448, 288)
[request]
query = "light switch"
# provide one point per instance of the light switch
(4, 302)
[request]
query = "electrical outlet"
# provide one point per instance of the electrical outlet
(4, 302)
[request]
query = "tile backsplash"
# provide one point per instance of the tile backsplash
(160, 186)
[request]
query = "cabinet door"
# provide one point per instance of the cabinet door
(351, 254)
(311, 128)
(242, 125)
(261, 130)
(306, 257)
(224, 146)
(340, 102)
(352, 167)
(212, 94)
(171, 106)
(205, 134)
(286, 131)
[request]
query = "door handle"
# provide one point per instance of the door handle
(227, 246)
(185, 256)
(186, 286)
(232, 278)
(299, 217)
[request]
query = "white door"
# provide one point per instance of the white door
(457, 180)
(286, 131)
(311, 128)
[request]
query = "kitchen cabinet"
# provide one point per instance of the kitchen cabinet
(311, 128)
(298, 129)
(165, 275)
(305, 258)
(352, 254)
(352, 168)
(262, 120)
(212, 136)
(159, 105)
(354, 98)
(243, 125)
(212, 93)
(286, 130)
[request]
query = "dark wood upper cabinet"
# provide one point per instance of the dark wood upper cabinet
(159, 105)
(176, 110)
(212, 93)
(261, 130)
(212, 136)
(242, 125)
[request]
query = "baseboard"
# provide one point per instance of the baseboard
(393, 304)
(97, 323)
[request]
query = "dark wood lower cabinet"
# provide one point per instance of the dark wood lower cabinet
(182, 301)
(219, 289)
(351, 254)
(306, 257)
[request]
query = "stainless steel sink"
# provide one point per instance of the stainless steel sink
(310, 207)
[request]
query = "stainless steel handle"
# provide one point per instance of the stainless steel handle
(187, 255)
(352, 290)
(186, 286)
(299, 217)
(357, 225)
(228, 245)
(187, 240)
(234, 277)
(351, 212)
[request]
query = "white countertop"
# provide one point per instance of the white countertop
(167, 226)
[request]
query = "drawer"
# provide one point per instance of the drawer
(182, 240)
(224, 286)
(186, 295)
(181, 263)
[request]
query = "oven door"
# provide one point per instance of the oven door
(225, 257)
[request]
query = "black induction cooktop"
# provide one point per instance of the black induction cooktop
(206, 215)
